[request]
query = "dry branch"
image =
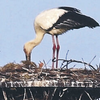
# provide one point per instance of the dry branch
(71, 61)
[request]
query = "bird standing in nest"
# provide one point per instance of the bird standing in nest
(55, 22)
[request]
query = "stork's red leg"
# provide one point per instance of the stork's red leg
(54, 48)
(58, 47)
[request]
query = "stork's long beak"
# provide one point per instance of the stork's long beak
(28, 57)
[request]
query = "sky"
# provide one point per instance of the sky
(17, 27)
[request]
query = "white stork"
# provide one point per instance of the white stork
(55, 22)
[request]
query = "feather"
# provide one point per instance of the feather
(73, 20)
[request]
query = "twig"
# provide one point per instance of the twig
(26, 69)
(31, 94)
(12, 97)
(84, 64)
(70, 61)
(65, 58)
(65, 89)
(53, 93)
(61, 94)
(92, 59)
(46, 95)
(72, 67)
(24, 94)
(45, 65)
(88, 95)
(4, 94)
(48, 61)
(67, 54)
(80, 96)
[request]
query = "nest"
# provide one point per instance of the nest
(39, 75)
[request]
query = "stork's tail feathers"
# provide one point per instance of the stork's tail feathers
(87, 21)
(90, 22)
(82, 20)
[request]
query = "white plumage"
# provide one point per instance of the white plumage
(57, 21)
(47, 18)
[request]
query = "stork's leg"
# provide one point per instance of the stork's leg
(58, 47)
(54, 48)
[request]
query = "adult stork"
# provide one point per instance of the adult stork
(55, 22)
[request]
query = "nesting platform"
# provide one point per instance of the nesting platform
(23, 75)
(27, 81)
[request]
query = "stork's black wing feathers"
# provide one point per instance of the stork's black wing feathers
(70, 9)
(73, 20)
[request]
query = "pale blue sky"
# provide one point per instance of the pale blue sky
(16, 28)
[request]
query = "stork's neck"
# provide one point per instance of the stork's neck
(31, 44)
(37, 40)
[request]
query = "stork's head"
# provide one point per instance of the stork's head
(27, 49)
